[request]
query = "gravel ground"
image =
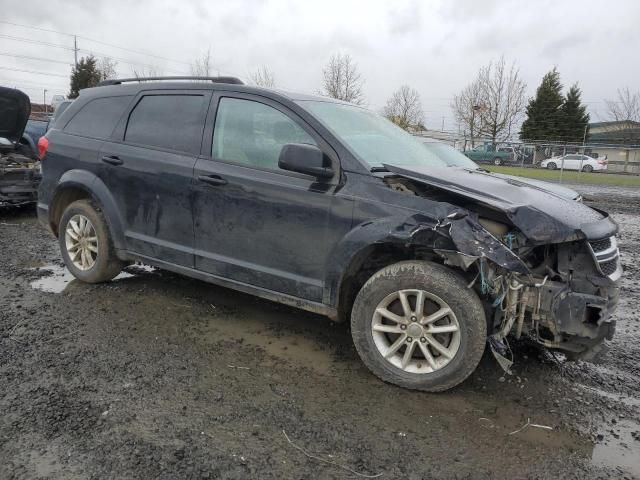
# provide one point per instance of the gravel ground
(157, 376)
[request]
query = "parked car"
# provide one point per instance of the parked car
(491, 154)
(453, 158)
(32, 133)
(19, 173)
(328, 207)
(575, 162)
(56, 100)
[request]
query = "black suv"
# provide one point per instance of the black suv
(331, 208)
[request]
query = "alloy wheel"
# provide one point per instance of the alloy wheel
(415, 331)
(81, 242)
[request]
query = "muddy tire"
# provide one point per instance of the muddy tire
(428, 311)
(551, 166)
(85, 243)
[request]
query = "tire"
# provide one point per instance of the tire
(497, 161)
(551, 166)
(105, 264)
(444, 285)
(587, 169)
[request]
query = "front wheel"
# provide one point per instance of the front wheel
(551, 166)
(86, 245)
(416, 324)
(497, 161)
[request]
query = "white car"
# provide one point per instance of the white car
(575, 161)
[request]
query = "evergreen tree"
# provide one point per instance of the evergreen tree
(574, 115)
(544, 114)
(86, 74)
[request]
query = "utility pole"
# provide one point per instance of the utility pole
(44, 101)
(75, 51)
(442, 129)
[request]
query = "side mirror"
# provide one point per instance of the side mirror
(307, 159)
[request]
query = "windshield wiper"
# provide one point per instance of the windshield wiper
(378, 169)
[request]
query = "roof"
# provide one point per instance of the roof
(614, 123)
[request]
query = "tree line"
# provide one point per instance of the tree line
(493, 106)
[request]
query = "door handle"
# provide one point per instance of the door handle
(212, 179)
(112, 160)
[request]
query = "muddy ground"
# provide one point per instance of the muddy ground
(157, 376)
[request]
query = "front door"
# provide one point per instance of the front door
(148, 168)
(255, 223)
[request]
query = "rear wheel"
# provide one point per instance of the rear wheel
(497, 161)
(551, 166)
(416, 324)
(587, 168)
(86, 245)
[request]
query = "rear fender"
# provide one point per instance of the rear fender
(99, 193)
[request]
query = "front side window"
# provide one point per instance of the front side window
(98, 118)
(174, 122)
(253, 134)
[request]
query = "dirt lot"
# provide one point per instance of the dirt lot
(157, 376)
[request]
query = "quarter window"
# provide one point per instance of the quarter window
(174, 122)
(253, 134)
(98, 118)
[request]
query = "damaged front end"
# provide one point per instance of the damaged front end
(19, 180)
(552, 277)
(19, 174)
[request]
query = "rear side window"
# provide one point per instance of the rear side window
(99, 117)
(174, 122)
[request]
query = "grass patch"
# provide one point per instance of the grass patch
(569, 176)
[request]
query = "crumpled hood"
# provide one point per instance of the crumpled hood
(15, 109)
(542, 216)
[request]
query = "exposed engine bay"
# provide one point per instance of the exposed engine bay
(557, 286)
(19, 179)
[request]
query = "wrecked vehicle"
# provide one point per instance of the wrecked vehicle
(19, 172)
(331, 208)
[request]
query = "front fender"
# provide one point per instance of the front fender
(459, 232)
(99, 193)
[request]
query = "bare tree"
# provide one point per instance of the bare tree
(626, 107)
(147, 71)
(404, 108)
(503, 99)
(466, 108)
(342, 80)
(203, 66)
(263, 77)
(494, 102)
(107, 68)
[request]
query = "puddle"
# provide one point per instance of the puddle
(60, 277)
(623, 451)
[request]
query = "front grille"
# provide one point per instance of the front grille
(609, 267)
(607, 256)
(600, 245)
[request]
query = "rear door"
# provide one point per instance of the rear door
(255, 223)
(148, 166)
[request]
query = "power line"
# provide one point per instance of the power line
(35, 58)
(19, 81)
(34, 72)
(139, 52)
(36, 42)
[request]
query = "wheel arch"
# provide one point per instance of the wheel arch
(81, 184)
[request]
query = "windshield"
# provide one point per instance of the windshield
(371, 137)
(450, 156)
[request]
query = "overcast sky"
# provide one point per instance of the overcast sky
(433, 46)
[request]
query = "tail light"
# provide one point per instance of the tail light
(43, 146)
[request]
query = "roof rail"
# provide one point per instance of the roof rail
(118, 81)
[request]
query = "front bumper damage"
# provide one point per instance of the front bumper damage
(19, 180)
(566, 303)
